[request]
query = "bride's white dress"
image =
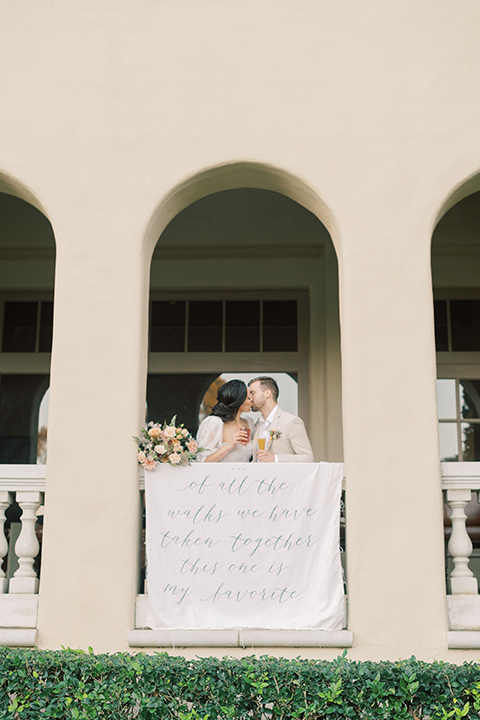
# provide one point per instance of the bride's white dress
(210, 439)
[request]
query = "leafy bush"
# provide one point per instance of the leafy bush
(38, 684)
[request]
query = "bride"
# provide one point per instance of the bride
(224, 436)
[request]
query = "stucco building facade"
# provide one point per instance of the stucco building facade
(236, 152)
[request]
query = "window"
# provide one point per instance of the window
(224, 326)
(459, 419)
(457, 325)
(27, 326)
(195, 336)
(457, 337)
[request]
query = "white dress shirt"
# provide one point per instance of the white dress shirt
(264, 428)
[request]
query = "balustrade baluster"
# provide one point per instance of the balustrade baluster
(5, 502)
(461, 580)
(26, 548)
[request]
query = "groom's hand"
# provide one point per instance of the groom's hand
(265, 456)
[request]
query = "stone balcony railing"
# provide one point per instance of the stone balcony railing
(459, 482)
(22, 489)
(22, 486)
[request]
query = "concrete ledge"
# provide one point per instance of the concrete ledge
(17, 637)
(240, 638)
(183, 638)
(296, 638)
(235, 637)
(22, 477)
(463, 640)
(18, 610)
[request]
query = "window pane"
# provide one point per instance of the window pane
(177, 394)
(280, 325)
(20, 327)
(167, 326)
(205, 320)
(168, 313)
(46, 327)
(469, 398)
(242, 326)
(471, 441)
(20, 398)
(447, 407)
(441, 332)
(447, 433)
(465, 320)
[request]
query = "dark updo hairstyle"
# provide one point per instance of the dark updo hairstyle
(230, 397)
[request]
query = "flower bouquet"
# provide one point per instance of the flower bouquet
(165, 443)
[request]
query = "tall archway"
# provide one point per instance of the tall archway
(231, 176)
(245, 241)
(456, 284)
(27, 270)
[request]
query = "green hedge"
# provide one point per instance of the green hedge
(73, 684)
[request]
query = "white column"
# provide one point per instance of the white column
(5, 502)
(26, 548)
(394, 537)
(461, 580)
(97, 404)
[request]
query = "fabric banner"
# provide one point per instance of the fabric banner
(244, 546)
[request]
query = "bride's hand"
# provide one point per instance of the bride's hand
(240, 437)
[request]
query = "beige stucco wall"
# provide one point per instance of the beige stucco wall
(368, 114)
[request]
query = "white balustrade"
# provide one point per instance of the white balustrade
(6, 500)
(458, 482)
(26, 485)
(26, 548)
(462, 580)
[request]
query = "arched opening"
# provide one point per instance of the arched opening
(245, 280)
(27, 269)
(456, 288)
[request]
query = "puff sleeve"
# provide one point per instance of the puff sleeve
(209, 436)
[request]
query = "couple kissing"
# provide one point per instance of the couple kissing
(226, 436)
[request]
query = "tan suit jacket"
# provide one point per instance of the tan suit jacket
(293, 444)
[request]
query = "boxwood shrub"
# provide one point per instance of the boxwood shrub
(66, 684)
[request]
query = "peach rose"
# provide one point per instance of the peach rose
(149, 464)
(192, 446)
(169, 432)
(175, 458)
(155, 432)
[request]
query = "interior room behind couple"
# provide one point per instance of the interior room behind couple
(228, 436)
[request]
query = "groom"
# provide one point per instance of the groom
(286, 439)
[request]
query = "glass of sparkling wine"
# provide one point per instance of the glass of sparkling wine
(261, 443)
(246, 433)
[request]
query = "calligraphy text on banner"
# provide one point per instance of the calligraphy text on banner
(251, 545)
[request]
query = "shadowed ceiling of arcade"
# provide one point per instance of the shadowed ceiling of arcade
(240, 223)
